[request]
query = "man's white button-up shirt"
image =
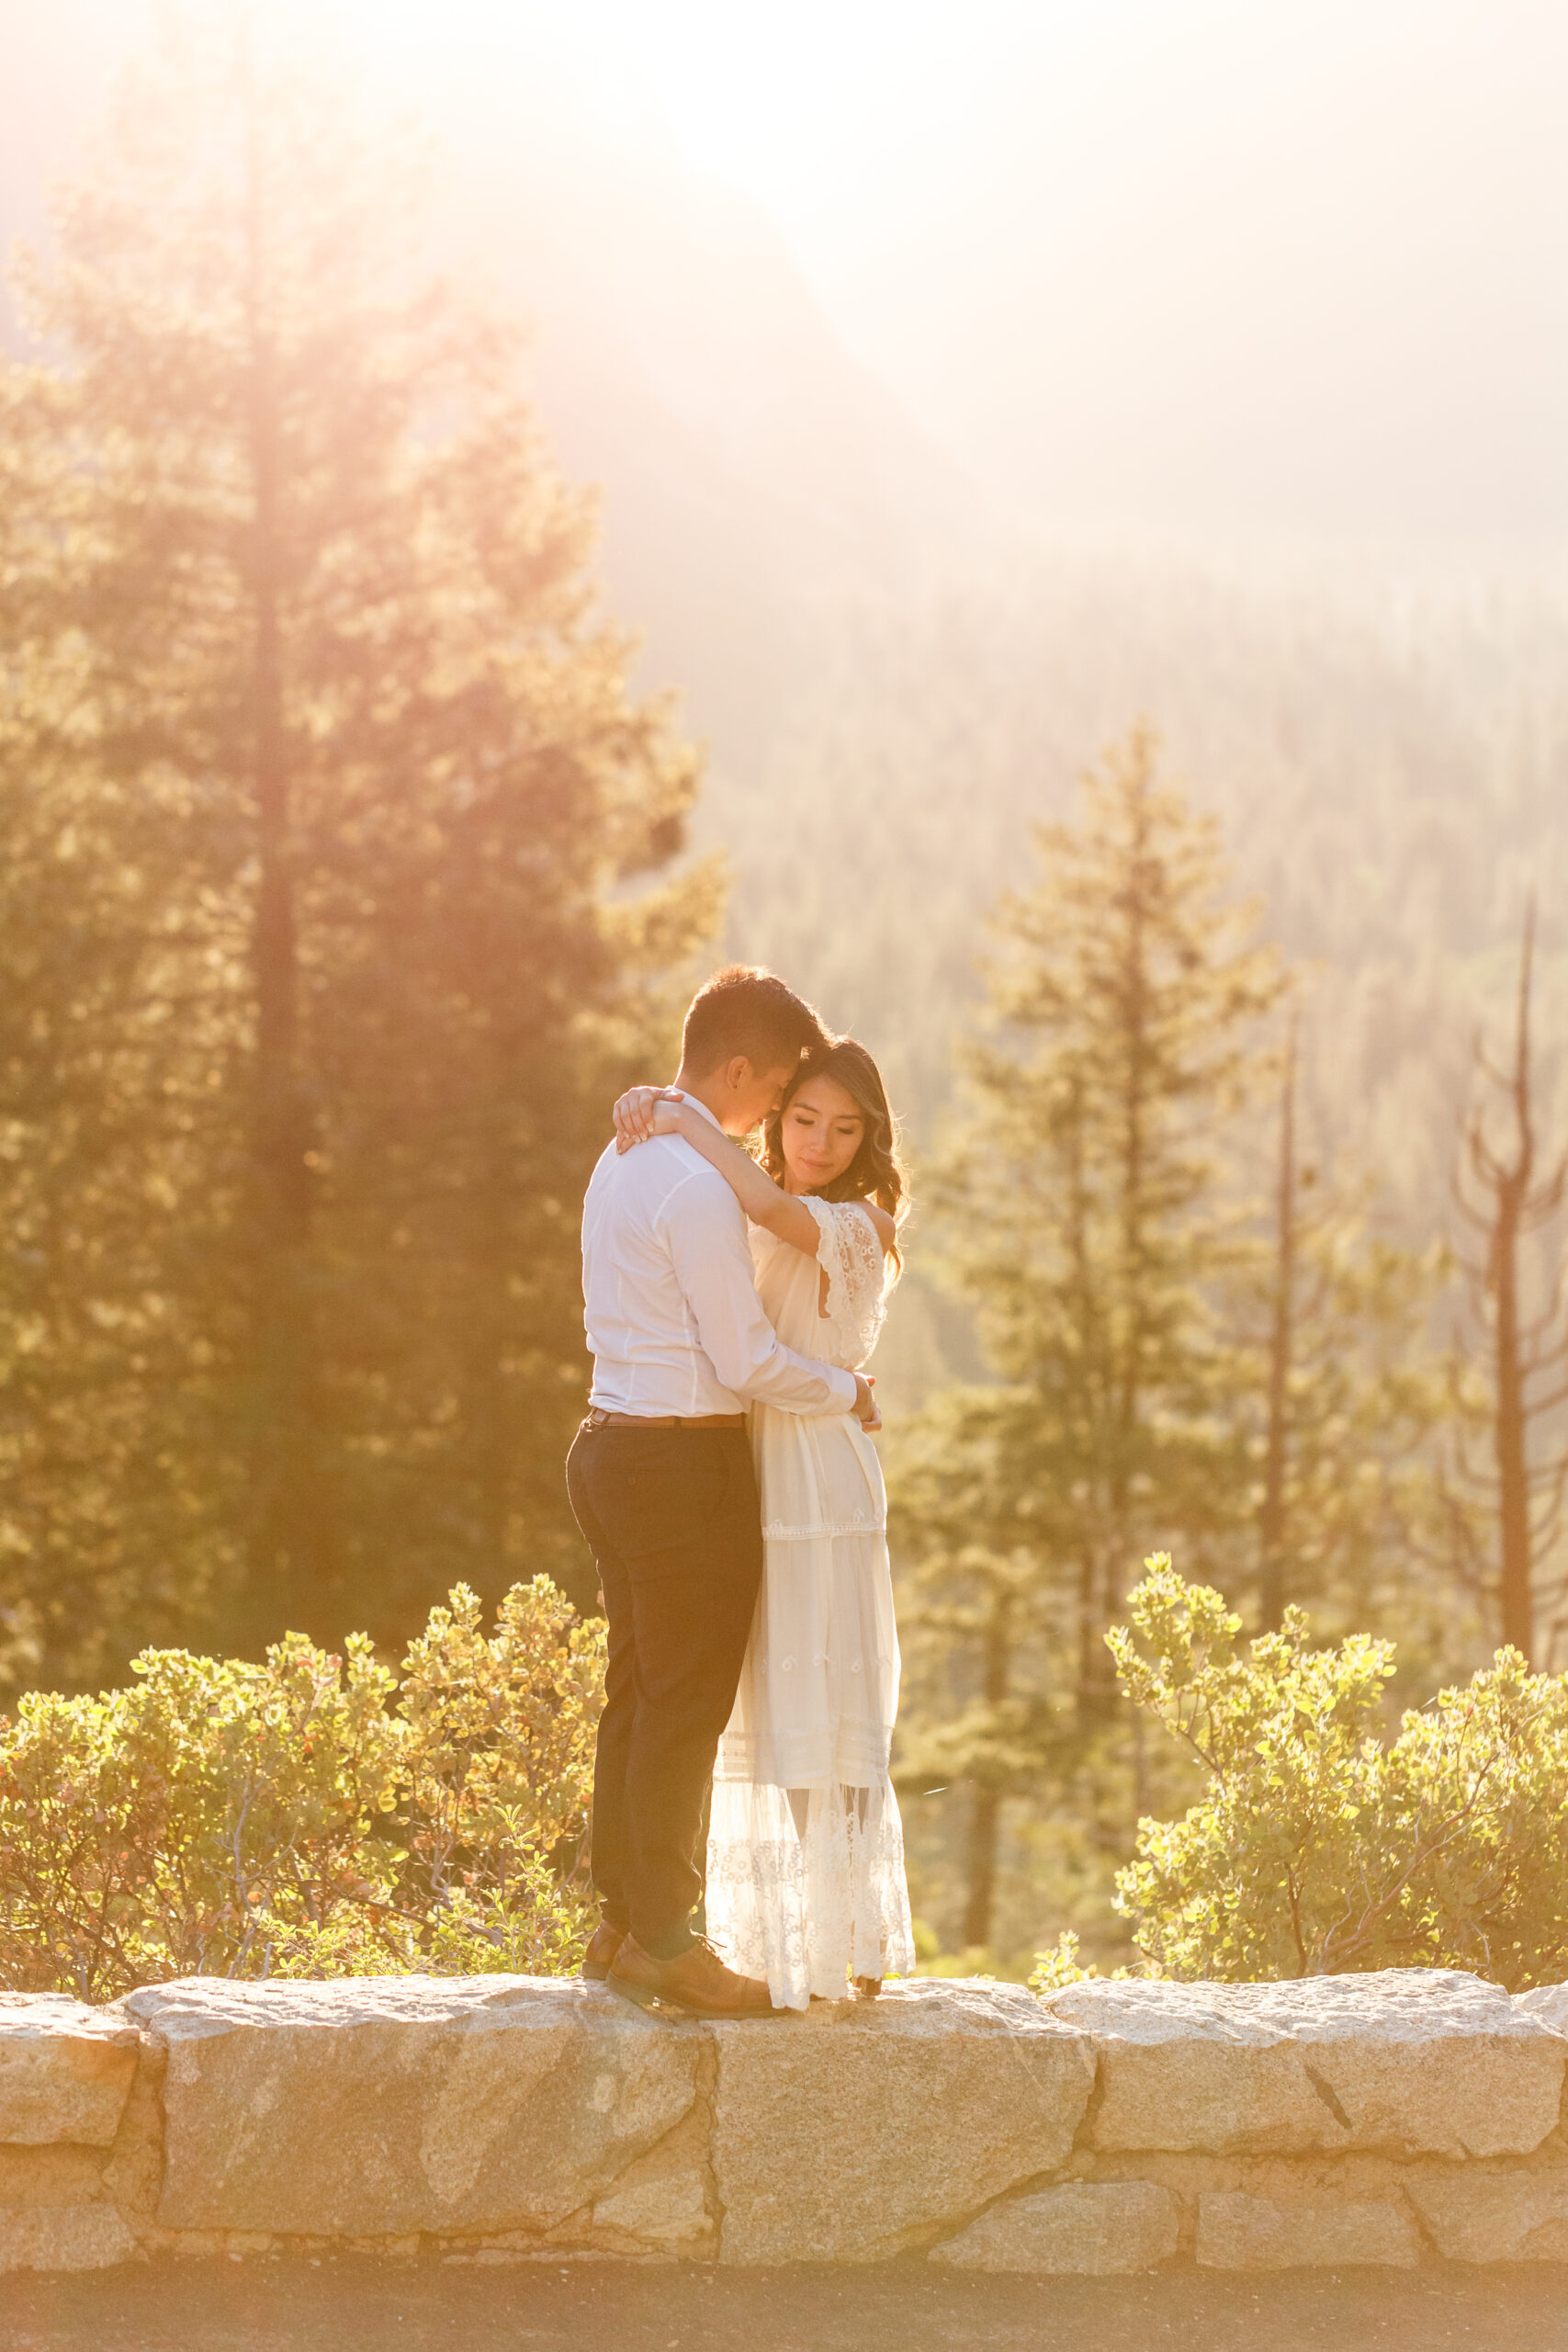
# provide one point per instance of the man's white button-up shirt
(670, 1301)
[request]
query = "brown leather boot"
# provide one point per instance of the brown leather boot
(695, 1981)
(602, 1945)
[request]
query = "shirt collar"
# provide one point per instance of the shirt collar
(701, 1108)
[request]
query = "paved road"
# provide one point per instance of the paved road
(360, 2305)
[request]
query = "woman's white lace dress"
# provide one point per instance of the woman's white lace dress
(805, 1850)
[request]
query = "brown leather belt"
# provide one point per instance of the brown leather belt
(599, 1420)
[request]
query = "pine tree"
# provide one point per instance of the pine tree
(1082, 1202)
(340, 756)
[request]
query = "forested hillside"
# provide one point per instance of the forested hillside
(1390, 772)
(1390, 768)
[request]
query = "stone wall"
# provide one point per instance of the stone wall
(1412, 2116)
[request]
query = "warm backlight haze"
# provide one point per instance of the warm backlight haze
(1157, 267)
(1074, 575)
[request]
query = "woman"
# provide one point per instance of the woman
(805, 1853)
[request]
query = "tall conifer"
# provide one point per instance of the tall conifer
(340, 756)
(1087, 1217)
(1088, 1223)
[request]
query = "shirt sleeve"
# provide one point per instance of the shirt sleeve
(712, 1265)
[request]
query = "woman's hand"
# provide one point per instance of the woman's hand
(645, 1110)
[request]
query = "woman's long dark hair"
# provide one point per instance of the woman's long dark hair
(876, 1172)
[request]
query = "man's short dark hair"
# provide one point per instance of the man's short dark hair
(744, 1010)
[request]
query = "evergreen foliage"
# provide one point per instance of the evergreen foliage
(319, 788)
(1085, 1201)
(1179, 1365)
(1083, 1206)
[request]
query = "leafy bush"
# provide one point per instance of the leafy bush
(1322, 1846)
(314, 1816)
(1061, 1966)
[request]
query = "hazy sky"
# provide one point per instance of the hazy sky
(1291, 266)
(1201, 266)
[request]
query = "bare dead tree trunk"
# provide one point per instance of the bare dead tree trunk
(1524, 1495)
(1511, 1193)
(1282, 1347)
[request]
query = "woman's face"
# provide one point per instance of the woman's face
(821, 1131)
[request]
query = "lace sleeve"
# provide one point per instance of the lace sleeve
(850, 1249)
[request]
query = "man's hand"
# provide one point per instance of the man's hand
(645, 1110)
(864, 1407)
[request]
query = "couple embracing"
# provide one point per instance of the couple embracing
(726, 1482)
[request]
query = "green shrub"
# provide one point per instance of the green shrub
(314, 1816)
(1320, 1845)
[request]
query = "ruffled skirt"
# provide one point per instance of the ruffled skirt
(806, 1883)
(805, 1887)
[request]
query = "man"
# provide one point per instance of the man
(661, 1482)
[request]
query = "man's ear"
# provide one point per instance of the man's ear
(736, 1072)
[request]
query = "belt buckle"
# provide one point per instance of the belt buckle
(596, 1418)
